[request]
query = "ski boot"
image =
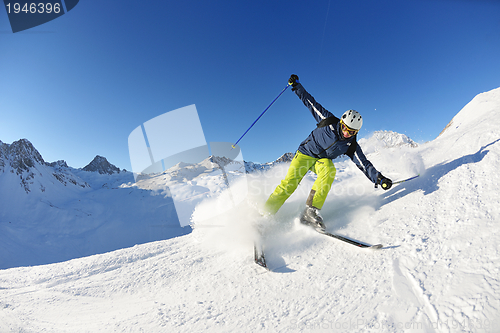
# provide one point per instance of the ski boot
(311, 217)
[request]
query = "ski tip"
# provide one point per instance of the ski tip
(376, 247)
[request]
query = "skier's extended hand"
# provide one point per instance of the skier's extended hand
(293, 80)
(386, 183)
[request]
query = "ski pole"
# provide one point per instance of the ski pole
(234, 146)
(405, 180)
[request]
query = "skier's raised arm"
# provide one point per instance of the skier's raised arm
(317, 110)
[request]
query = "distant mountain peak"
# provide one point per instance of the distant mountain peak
(100, 164)
(393, 139)
(22, 155)
(385, 139)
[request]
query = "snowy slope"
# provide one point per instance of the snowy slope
(438, 271)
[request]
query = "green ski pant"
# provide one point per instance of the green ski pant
(301, 163)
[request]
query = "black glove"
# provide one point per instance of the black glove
(293, 80)
(386, 183)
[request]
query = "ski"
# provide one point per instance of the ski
(350, 241)
(259, 257)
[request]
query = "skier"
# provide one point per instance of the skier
(332, 137)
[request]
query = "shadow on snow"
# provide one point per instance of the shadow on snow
(428, 182)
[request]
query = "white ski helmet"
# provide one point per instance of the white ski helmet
(352, 119)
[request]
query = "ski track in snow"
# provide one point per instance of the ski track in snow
(438, 270)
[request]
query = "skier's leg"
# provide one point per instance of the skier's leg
(298, 168)
(325, 169)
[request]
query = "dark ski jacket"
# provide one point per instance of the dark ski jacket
(328, 142)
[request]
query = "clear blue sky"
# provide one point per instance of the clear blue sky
(77, 86)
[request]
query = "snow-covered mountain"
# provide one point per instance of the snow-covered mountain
(438, 270)
(100, 164)
(20, 161)
(385, 139)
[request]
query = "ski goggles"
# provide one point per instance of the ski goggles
(345, 128)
